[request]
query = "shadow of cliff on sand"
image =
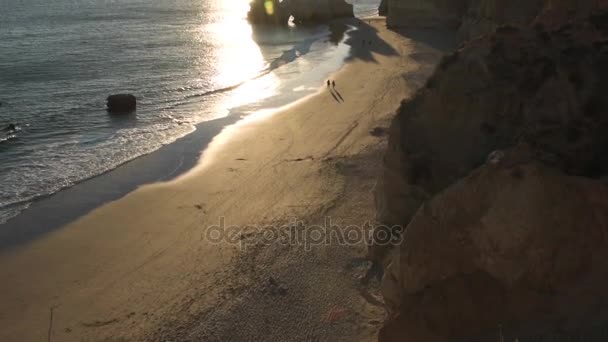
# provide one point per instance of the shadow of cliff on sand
(302, 38)
(365, 41)
(438, 39)
(47, 214)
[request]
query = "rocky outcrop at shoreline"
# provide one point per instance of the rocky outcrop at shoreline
(497, 170)
(121, 103)
(383, 7)
(276, 12)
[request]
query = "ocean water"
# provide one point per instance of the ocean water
(187, 61)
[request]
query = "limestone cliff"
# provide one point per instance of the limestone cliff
(484, 16)
(497, 168)
(421, 13)
(473, 18)
(383, 7)
(276, 12)
(517, 247)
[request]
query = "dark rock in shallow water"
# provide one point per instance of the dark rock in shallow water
(383, 8)
(11, 127)
(121, 103)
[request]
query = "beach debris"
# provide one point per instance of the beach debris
(275, 288)
(300, 159)
(121, 103)
(378, 132)
(336, 313)
(50, 331)
(495, 157)
(99, 324)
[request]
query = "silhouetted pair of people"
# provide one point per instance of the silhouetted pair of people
(331, 83)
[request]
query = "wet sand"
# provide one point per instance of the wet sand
(143, 268)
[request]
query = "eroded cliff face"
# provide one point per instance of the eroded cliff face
(420, 13)
(383, 7)
(276, 12)
(517, 246)
(497, 168)
(474, 18)
(484, 16)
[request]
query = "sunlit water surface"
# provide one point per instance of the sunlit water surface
(187, 61)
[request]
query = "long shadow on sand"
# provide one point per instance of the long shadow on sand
(365, 41)
(338, 94)
(334, 96)
(443, 40)
(48, 214)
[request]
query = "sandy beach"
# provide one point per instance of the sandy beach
(143, 268)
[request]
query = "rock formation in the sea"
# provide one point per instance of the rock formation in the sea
(275, 12)
(121, 103)
(268, 12)
(11, 127)
(383, 8)
(497, 168)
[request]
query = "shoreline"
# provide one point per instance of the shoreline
(74, 201)
(68, 204)
(139, 268)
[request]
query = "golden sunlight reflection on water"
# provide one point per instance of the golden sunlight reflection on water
(237, 57)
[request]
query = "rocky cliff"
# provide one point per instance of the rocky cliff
(497, 168)
(276, 12)
(419, 13)
(473, 18)
(484, 16)
(383, 7)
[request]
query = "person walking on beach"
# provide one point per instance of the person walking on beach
(333, 84)
(328, 82)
